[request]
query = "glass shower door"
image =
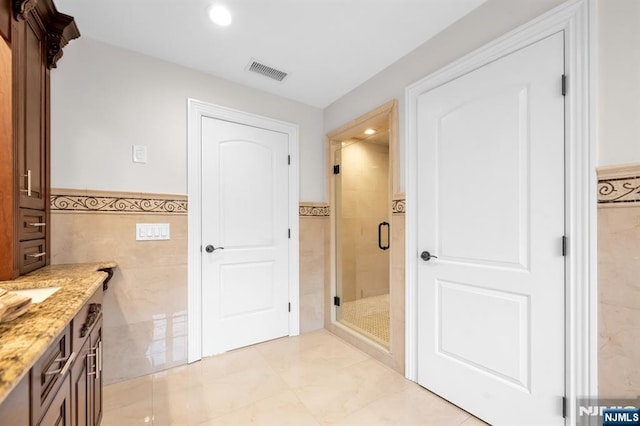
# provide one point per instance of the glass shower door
(363, 237)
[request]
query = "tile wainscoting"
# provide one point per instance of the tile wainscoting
(145, 321)
(618, 283)
(314, 266)
(145, 309)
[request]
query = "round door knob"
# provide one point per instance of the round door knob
(426, 256)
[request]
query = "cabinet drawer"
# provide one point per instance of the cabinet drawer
(32, 224)
(32, 256)
(49, 372)
(86, 319)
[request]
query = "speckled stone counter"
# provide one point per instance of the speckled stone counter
(25, 339)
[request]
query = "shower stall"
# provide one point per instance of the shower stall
(363, 235)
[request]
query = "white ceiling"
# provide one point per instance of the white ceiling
(328, 47)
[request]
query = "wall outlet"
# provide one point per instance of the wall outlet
(152, 231)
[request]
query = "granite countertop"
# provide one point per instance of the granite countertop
(26, 338)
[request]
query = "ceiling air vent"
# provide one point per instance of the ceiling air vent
(265, 70)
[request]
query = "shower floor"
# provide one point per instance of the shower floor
(369, 316)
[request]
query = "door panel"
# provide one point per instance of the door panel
(496, 341)
(245, 282)
(491, 207)
(502, 168)
(238, 280)
(247, 179)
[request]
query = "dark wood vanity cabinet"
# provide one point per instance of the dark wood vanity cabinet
(64, 387)
(33, 35)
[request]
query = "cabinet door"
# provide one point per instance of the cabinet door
(86, 380)
(14, 410)
(59, 412)
(31, 116)
(80, 385)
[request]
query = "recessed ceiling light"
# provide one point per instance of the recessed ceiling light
(220, 15)
(369, 132)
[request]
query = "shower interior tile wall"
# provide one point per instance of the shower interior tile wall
(145, 309)
(365, 195)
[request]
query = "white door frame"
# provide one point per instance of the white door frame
(196, 111)
(575, 20)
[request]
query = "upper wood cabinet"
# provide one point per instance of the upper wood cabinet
(33, 33)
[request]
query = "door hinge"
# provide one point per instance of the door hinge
(289, 306)
(564, 245)
(564, 85)
(289, 233)
(289, 159)
(336, 301)
(564, 407)
(336, 169)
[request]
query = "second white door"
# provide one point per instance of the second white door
(245, 244)
(491, 207)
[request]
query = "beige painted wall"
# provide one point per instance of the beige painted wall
(618, 49)
(105, 99)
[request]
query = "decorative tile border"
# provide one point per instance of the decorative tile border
(398, 206)
(619, 190)
(313, 210)
(104, 202)
(323, 210)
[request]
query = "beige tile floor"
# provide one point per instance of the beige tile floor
(312, 379)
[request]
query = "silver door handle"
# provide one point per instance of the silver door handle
(211, 249)
(426, 256)
(28, 190)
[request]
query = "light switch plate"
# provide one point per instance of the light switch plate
(152, 231)
(139, 153)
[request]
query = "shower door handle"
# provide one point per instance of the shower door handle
(380, 236)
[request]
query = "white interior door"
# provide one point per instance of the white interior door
(491, 207)
(245, 279)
